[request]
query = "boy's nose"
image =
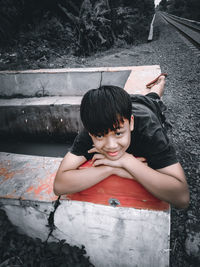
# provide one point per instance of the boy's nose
(111, 143)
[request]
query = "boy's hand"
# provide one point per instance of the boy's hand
(122, 173)
(100, 159)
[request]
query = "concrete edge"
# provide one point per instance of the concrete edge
(97, 69)
(46, 100)
(150, 37)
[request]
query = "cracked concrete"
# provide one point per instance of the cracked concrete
(38, 213)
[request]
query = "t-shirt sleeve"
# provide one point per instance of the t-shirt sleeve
(82, 143)
(161, 153)
(158, 149)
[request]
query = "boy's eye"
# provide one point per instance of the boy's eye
(118, 133)
(99, 136)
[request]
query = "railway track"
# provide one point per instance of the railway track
(189, 28)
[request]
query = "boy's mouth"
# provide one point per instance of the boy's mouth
(112, 154)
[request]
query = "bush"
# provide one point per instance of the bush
(92, 27)
(130, 25)
(9, 19)
(86, 26)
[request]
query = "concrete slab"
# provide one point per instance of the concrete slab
(58, 83)
(26, 184)
(25, 177)
(59, 115)
(113, 236)
(13, 102)
(68, 82)
(137, 80)
(73, 100)
(31, 218)
(41, 117)
(50, 100)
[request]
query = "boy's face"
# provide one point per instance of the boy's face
(114, 144)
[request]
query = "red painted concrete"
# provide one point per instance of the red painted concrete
(43, 189)
(7, 174)
(36, 179)
(128, 192)
(35, 175)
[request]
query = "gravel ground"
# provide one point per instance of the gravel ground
(181, 62)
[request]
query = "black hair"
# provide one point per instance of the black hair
(104, 109)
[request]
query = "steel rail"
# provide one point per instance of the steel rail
(192, 32)
(195, 25)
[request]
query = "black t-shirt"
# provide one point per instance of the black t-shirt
(148, 139)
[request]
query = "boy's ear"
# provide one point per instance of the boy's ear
(132, 123)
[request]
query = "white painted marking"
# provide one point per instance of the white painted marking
(150, 37)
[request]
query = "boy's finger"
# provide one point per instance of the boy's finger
(98, 162)
(98, 156)
(142, 159)
(92, 150)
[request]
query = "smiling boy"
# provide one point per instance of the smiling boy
(124, 135)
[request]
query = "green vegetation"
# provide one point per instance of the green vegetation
(81, 26)
(183, 8)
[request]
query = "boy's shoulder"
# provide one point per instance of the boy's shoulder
(145, 103)
(147, 112)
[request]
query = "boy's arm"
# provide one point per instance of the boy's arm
(69, 179)
(168, 184)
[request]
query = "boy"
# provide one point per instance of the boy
(124, 135)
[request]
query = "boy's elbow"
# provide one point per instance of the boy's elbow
(58, 185)
(184, 201)
(62, 186)
(59, 190)
(56, 189)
